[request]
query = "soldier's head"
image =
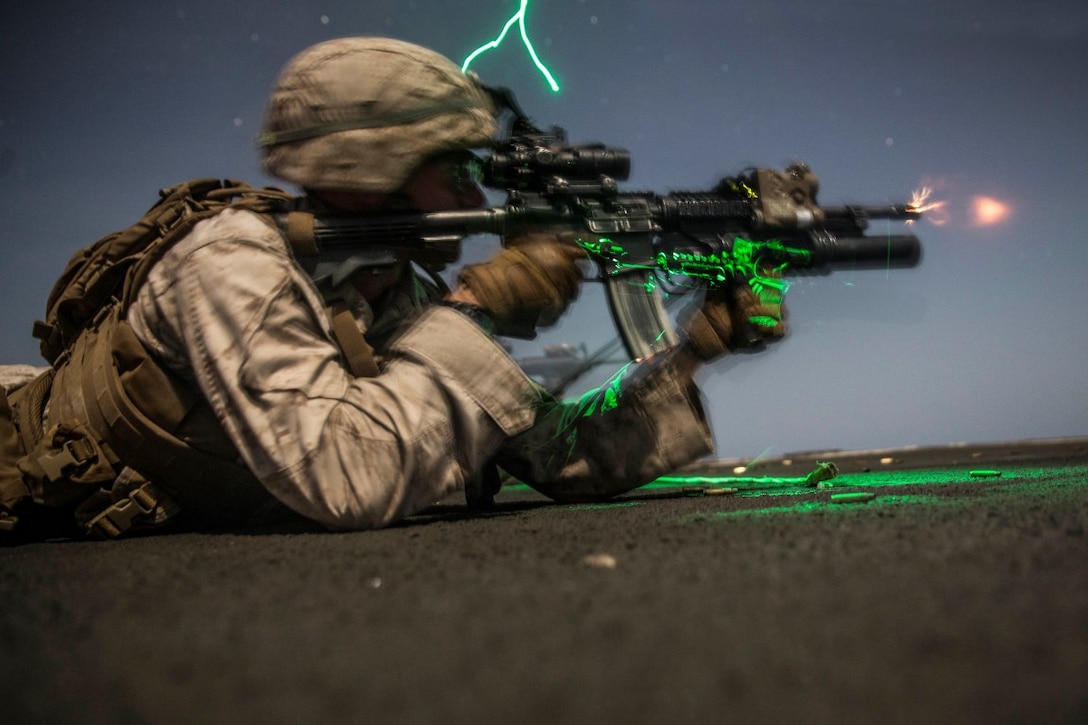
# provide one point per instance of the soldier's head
(355, 120)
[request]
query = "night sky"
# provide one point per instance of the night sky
(105, 103)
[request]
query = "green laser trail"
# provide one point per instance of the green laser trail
(519, 18)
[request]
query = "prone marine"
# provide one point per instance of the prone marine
(236, 378)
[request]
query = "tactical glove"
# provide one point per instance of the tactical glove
(527, 285)
(736, 317)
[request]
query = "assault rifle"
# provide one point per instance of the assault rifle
(644, 244)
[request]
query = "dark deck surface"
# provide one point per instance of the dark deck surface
(943, 598)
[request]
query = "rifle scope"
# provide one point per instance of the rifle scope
(523, 167)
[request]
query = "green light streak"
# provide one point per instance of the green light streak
(519, 18)
(747, 260)
(595, 402)
(757, 263)
(602, 399)
(822, 472)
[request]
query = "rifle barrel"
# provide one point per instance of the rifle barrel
(905, 212)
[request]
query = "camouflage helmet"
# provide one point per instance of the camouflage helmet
(361, 114)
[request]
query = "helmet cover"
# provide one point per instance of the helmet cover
(361, 114)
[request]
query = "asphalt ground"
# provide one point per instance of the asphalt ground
(942, 598)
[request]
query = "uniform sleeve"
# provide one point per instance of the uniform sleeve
(347, 452)
(645, 422)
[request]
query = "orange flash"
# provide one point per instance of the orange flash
(936, 210)
(987, 211)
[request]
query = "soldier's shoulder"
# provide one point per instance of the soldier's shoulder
(234, 227)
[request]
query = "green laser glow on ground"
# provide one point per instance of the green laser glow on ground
(923, 477)
(519, 18)
(829, 507)
(1013, 483)
(603, 506)
(940, 487)
(819, 476)
(1013, 477)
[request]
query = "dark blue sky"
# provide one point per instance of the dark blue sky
(104, 103)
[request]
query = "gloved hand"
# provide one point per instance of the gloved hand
(741, 315)
(527, 285)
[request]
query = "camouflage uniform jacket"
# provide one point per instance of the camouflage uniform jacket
(230, 309)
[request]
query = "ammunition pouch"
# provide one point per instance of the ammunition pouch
(12, 487)
(131, 504)
(144, 446)
(160, 426)
(128, 442)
